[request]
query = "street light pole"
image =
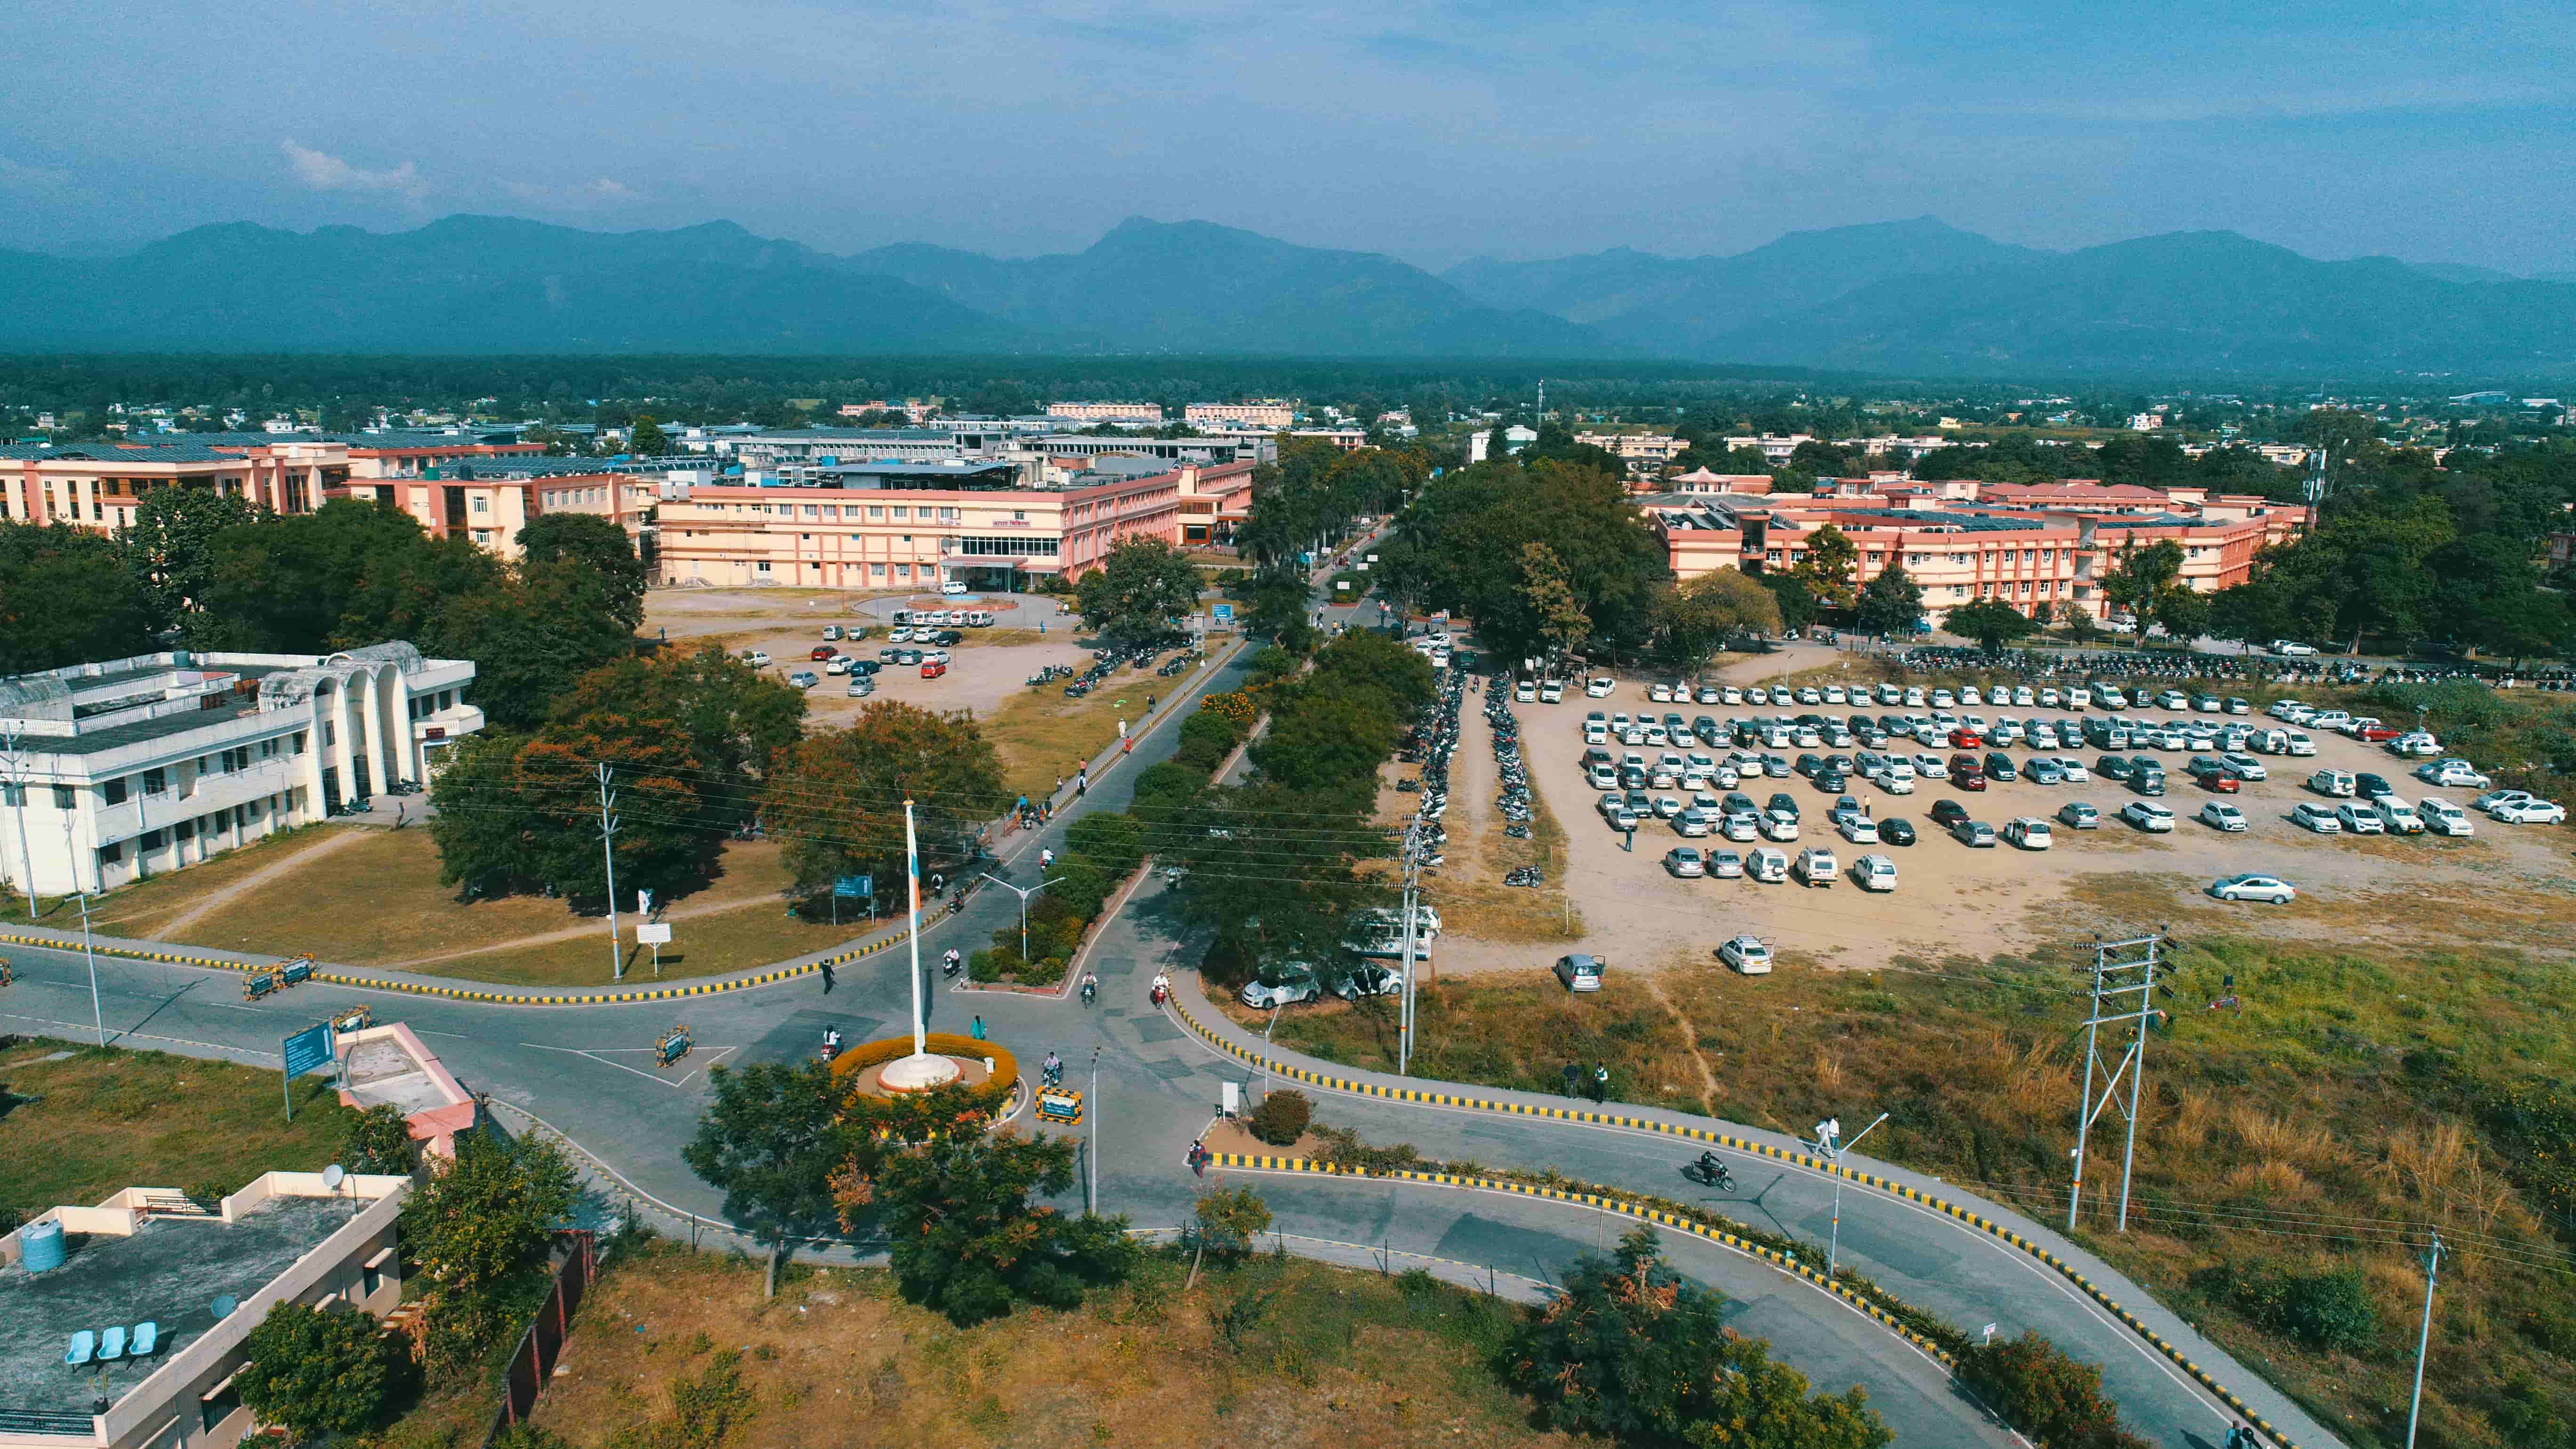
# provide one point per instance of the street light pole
(97, 1016)
(608, 854)
(1829, 1141)
(1092, 1104)
(1024, 904)
(2424, 1338)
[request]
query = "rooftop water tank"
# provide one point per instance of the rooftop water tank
(42, 1244)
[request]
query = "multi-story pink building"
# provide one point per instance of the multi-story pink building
(1108, 412)
(97, 485)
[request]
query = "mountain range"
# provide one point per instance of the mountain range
(1906, 297)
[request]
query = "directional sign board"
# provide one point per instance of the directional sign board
(1220, 613)
(855, 885)
(308, 1049)
(653, 933)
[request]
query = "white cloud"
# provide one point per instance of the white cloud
(601, 191)
(322, 171)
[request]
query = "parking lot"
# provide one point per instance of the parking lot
(1952, 899)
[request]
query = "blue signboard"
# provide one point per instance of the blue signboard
(855, 885)
(1221, 613)
(308, 1049)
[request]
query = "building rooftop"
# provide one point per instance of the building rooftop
(168, 1272)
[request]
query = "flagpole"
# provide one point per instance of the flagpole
(912, 880)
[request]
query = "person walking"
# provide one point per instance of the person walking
(977, 1029)
(827, 978)
(1082, 784)
(1601, 1082)
(1573, 1080)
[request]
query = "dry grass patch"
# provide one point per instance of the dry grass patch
(99, 1121)
(135, 910)
(1040, 734)
(1317, 1356)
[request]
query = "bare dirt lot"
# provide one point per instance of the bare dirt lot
(2507, 885)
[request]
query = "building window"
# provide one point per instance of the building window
(111, 853)
(877, 569)
(156, 781)
(151, 841)
(762, 566)
(112, 792)
(903, 571)
(876, 511)
(902, 512)
(64, 799)
(482, 504)
(330, 733)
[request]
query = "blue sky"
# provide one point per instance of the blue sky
(2434, 131)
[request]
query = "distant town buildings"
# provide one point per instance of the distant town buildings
(1270, 413)
(1107, 412)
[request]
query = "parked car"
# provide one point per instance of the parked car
(1599, 686)
(1896, 830)
(2367, 786)
(2398, 815)
(804, 679)
(2246, 766)
(2219, 815)
(1283, 985)
(2028, 832)
(2254, 888)
(2441, 817)
(1975, 834)
(2074, 769)
(2316, 816)
(2453, 774)
(1580, 973)
(2530, 812)
(1725, 865)
(2079, 815)
(2358, 818)
(756, 658)
(1767, 866)
(1816, 866)
(1860, 830)
(2148, 816)
(2333, 784)
(2291, 649)
(1874, 873)
(1747, 954)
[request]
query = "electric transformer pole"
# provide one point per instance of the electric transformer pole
(2122, 994)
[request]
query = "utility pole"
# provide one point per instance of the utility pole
(2424, 1338)
(1412, 877)
(1829, 1141)
(2122, 993)
(14, 758)
(1091, 1104)
(97, 1016)
(608, 854)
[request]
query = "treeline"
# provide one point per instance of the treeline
(201, 571)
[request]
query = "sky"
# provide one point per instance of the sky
(2435, 131)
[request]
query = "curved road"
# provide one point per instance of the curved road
(585, 1072)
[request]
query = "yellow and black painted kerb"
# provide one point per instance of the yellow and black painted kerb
(1700, 1134)
(499, 998)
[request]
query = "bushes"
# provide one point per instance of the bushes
(316, 1371)
(1206, 739)
(2054, 1400)
(1281, 1118)
(2328, 1310)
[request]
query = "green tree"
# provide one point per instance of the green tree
(2033, 1386)
(2080, 626)
(479, 1224)
(771, 1140)
(968, 1242)
(734, 718)
(1229, 1219)
(2185, 612)
(1827, 564)
(1991, 622)
(1141, 591)
(520, 813)
(379, 1141)
(1548, 592)
(66, 597)
(1694, 619)
(1891, 605)
(1628, 1351)
(1795, 601)
(837, 800)
(316, 1371)
(170, 543)
(596, 546)
(528, 637)
(647, 440)
(2139, 575)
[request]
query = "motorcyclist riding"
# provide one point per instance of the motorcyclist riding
(831, 1042)
(1046, 859)
(1712, 1170)
(950, 963)
(1054, 1071)
(1090, 986)
(1162, 987)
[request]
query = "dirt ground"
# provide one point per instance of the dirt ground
(989, 666)
(2506, 884)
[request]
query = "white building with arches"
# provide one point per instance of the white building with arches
(129, 768)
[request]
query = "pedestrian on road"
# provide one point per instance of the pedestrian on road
(1601, 1082)
(1082, 784)
(1149, 704)
(1059, 784)
(827, 978)
(1199, 1156)
(1573, 1078)
(978, 1028)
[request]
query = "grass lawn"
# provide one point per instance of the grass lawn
(1350, 1360)
(2358, 1096)
(136, 910)
(1040, 734)
(104, 1120)
(378, 902)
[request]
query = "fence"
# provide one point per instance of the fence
(534, 1361)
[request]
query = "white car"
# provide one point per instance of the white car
(1599, 686)
(756, 658)
(2453, 774)
(2491, 799)
(1860, 830)
(2530, 812)
(2333, 784)
(2441, 817)
(1660, 693)
(1525, 692)
(1552, 692)
(1874, 873)
(2029, 832)
(1781, 828)
(2219, 815)
(1894, 780)
(2296, 743)
(2316, 816)
(2148, 816)
(2254, 888)
(2291, 649)
(1685, 863)
(1816, 866)
(2416, 745)
(1747, 955)
(2076, 774)
(2246, 766)
(2359, 819)
(2282, 708)
(1284, 987)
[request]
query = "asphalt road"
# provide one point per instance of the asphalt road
(586, 1073)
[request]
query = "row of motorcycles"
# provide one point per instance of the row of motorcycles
(1049, 674)
(1433, 738)
(1514, 803)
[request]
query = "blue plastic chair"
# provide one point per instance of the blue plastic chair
(111, 1344)
(83, 1348)
(147, 1337)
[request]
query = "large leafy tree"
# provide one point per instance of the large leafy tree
(1552, 606)
(1141, 591)
(1827, 563)
(772, 1139)
(2138, 575)
(347, 574)
(1991, 622)
(528, 637)
(66, 597)
(1692, 620)
(1628, 1351)
(316, 1371)
(599, 547)
(1890, 604)
(516, 812)
(479, 1224)
(1472, 528)
(836, 798)
(170, 543)
(733, 717)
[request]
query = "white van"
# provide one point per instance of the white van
(1817, 866)
(1874, 873)
(1766, 865)
(2332, 783)
(2398, 816)
(953, 586)
(979, 618)
(2296, 743)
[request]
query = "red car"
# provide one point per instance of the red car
(1967, 780)
(933, 669)
(822, 652)
(1964, 738)
(2378, 734)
